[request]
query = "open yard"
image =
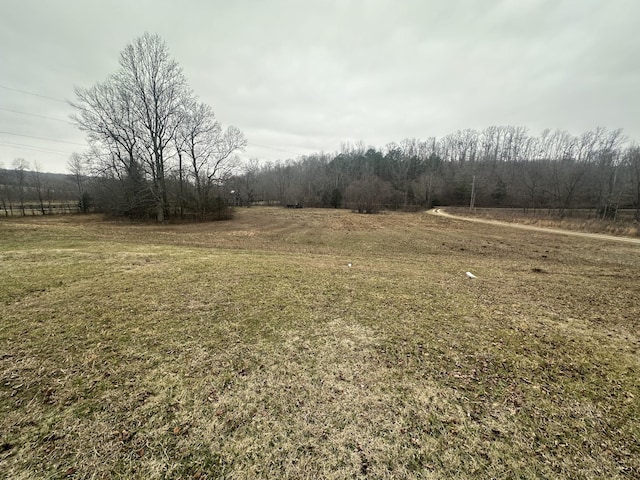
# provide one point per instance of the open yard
(250, 349)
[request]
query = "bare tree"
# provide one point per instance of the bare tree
(107, 113)
(20, 165)
(251, 169)
(5, 195)
(135, 114)
(78, 168)
(208, 148)
(38, 185)
(140, 121)
(158, 89)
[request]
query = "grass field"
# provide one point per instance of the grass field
(250, 349)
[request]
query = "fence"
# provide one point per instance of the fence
(35, 209)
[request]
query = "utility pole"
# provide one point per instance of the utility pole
(473, 194)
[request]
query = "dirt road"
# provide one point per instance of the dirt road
(440, 212)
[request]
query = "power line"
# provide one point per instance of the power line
(35, 115)
(37, 149)
(34, 94)
(42, 138)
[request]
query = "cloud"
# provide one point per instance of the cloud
(301, 76)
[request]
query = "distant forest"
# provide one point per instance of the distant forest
(500, 166)
(497, 167)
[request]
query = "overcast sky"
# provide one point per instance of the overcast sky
(299, 77)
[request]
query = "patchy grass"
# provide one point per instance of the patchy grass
(249, 349)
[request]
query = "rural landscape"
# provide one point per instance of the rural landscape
(184, 300)
(316, 343)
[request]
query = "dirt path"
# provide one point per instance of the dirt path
(599, 236)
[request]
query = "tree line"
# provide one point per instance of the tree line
(498, 166)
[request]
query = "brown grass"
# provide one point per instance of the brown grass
(579, 219)
(249, 349)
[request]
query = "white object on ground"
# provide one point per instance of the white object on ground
(471, 275)
(349, 264)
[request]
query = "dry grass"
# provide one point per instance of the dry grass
(579, 219)
(249, 349)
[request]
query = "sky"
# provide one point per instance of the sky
(299, 77)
